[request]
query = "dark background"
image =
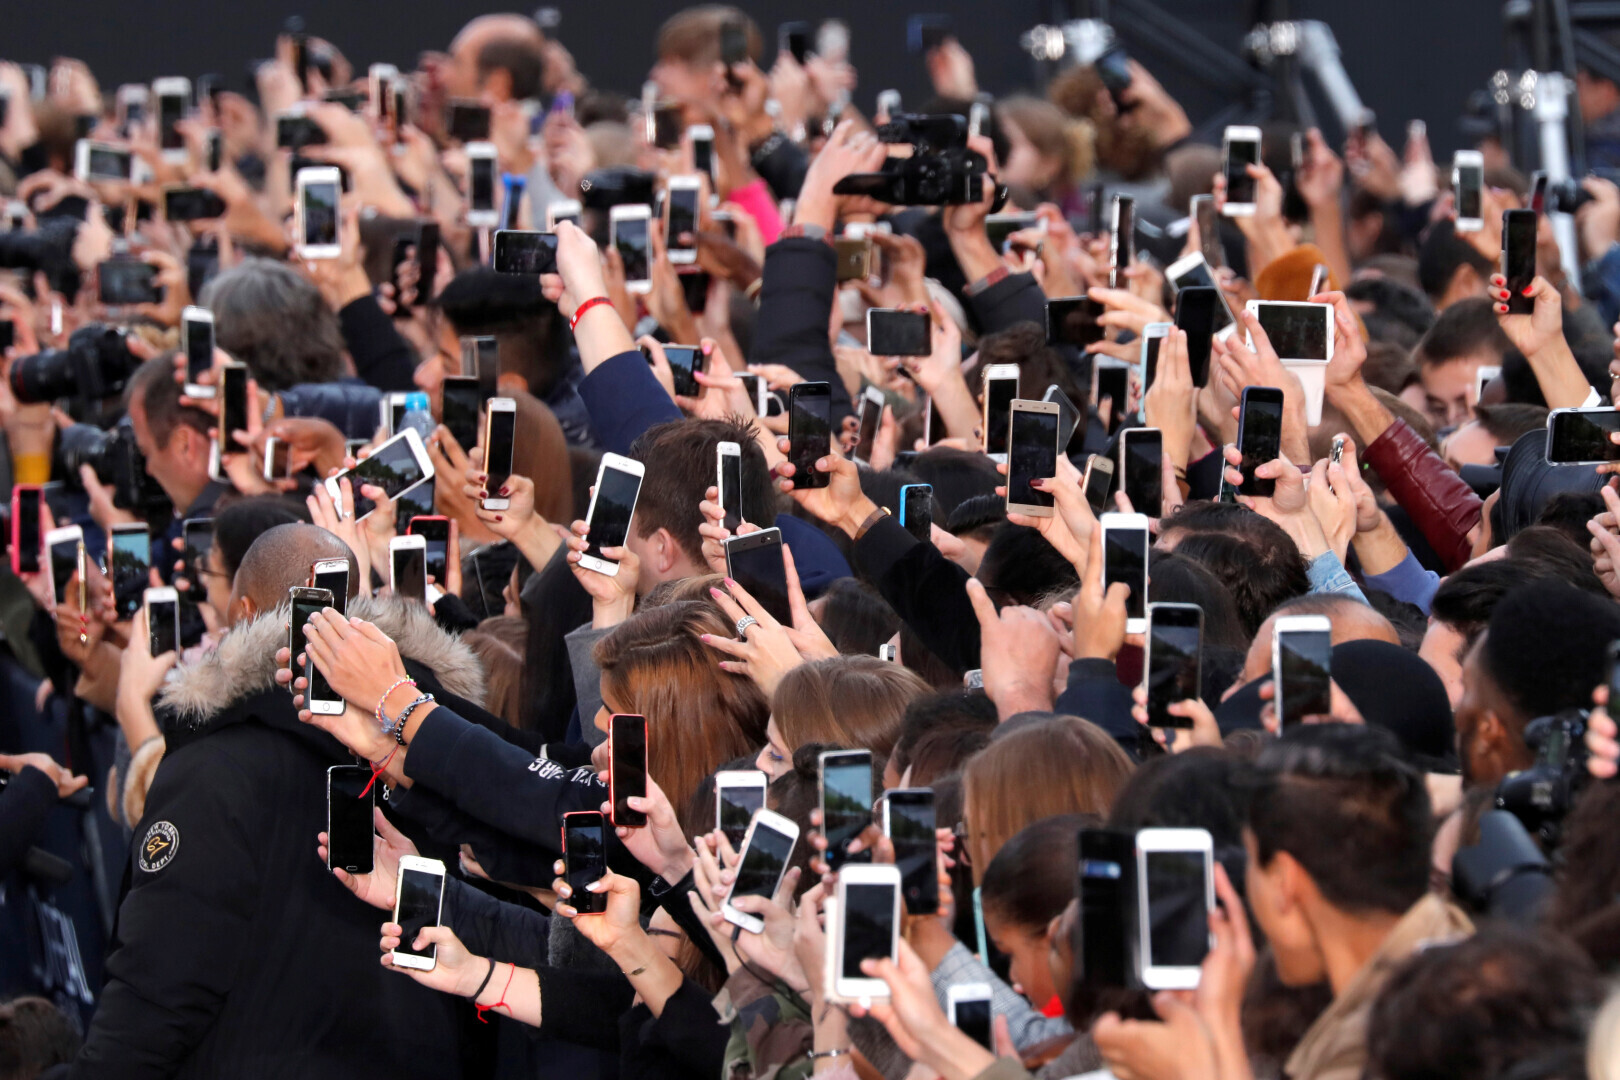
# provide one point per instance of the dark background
(1408, 58)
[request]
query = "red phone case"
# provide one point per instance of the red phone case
(16, 539)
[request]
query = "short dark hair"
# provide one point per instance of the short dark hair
(1393, 303)
(680, 461)
(239, 522)
(1198, 789)
(276, 322)
(956, 476)
(1566, 515)
(154, 387)
(943, 710)
(35, 1035)
(1506, 422)
(1442, 254)
(856, 618)
(1257, 562)
(976, 512)
(521, 59)
(1547, 646)
(1039, 365)
(1176, 579)
(533, 340)
(1466, 328)
(1473, 1009)
(1466, 598)
(1340, 799)
(1023, 566)
(1031, 879)
(692, 36)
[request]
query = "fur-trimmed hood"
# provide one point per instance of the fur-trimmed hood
(244, 664)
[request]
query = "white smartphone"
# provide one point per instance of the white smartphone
(738, 795)
(628, 234)
(681, 198)
(1032, 455)
(562, 210)
(333, 576)
(101, 161)
(396, 466)
(418, 902)
(1240, 149)
(131, 104)
(162, 619)
(868, 927)
(1175, 895)
(319, 698)
(968, 1007)
(315, 213)
(197, 341)
(888, 103)
(1468, 187)
(407, 567)
(728, 482)
(276, 463)
(1000, 388)
(889, 652)
(1302, 667)
(1296, 330)
(702, 138)
(173, 95)
(390, 410)
(767, 847)
(613, 505)
(62, 557)
(481, 183)
(1482, 377)
(1125, 558)
(1193, 270)
(500, 439)
(379, 81)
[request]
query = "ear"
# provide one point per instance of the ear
(1293, 883)
(666, 552)
(499, 84)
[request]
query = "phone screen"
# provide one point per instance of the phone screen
(1125, 555)
(846, 802)
(437, 535)
(1121, 243)
(163, 626)
(683, 363)
(585, 852)
(233, 408)
(911, 829)
(131, 569)
(1114, 383)
(755, 562)
(28, 534)
(998, 396)
(1073, 321)
(1196, 308)
(410, 572)
(126, 281)
(738, 803)
(1209, 230)
(1519, 258)
(1583, 436)
(1144, 480)
(348, 818)
(1098, 482)
(1260, 437)
(1240, 154)
(1032, 455)
(336, 582)
(481, 187)
(1306, 663)
(703, 154)
(305, 603)
(973, 1020)
(868, 926)
(629, 768)
(867, 429)
(1178, 909)
(393, 468)
(522, 252)
(199, 335)
(630, 238)
(419, 895)
(462, 399)
(730, 477)
(809, 432)
(615, 501)
(1470, 191)
(763, 862)
(498, 454)
(1174, 638)
(64, 564)
(900, 333)
(683, 214)
(1300, 331)
(199, 539)
(321, 213)
(108, 162)
(917, 511)
(171, 110)
(1150, 359)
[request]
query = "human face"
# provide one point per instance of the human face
(1277, 910)
(1024, 165)
(1448, 390)
(1442, 649)
(1470, 444)
(1027, 949)
(216, 582)
(775, 759)
(684, 82)
(180, 466)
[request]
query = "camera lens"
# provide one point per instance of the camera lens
(96, 364)
(45, 376)
(84, 444)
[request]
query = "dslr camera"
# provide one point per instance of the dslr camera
(1567, 196)
(117, 462)
(95, 365)
(1541, 795)
(940, 171)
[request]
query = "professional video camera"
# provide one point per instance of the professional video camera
(95, 365)
(940, 171)
(115, 459)
(1541, 795)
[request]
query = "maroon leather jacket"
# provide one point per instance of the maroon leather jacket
(1442, 505)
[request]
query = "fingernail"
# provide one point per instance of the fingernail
(483, 493)
(715, 593)
(503, 493)
(498, 517)
(1528, 289)
(730, 584)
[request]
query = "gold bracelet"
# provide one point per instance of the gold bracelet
(871, 520)
(633, 974)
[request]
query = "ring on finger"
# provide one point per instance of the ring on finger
(742, 626)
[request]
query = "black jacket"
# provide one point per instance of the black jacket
(795, 301)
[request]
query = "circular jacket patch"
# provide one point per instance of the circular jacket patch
(161, 845)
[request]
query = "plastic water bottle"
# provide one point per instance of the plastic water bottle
(417, 415)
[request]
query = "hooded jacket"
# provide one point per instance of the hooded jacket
(236, 952)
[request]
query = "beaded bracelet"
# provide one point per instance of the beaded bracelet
(382, 721)
(405, 714)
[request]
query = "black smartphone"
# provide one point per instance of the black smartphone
(1519, 258)
(1581, 436)
(1107, 891)
(192, 204)
(1141, 452)
(754, 561)
(683, 366)
(809, 432)
(898, 333)
(463, 397)
(627, 771)
(846, 801)
(427, 260)
(436, 531)
(794, 39)
(522, 251)
(1072, 320)
(1152, 339)
(585, 858)
(122, 280)
(1121, 241)
(130, 567)
(25, 528)
(468, 121)
(733, 42)
(1173, 662)
(1259, 436)
(908, 819)
(917, 510)
(350, 796)
(306, 602)
(197, 536)
(1114, 383)
(233, 408)
(1195, 316)
(294, 131)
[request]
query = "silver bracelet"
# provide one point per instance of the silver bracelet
(817, 1054)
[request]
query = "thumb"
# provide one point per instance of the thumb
(386, 830)
(1117, 594)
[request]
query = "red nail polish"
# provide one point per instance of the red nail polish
(504, 492)
(499, 518)
(1528, 289)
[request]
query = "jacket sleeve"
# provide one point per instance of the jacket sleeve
(381, 356)
(506, 933)
(503, 857)
(1442, 505)
(624, 399)
(795, 302)
(583, 1006)
(350, 405)
(1003, 299)
(24, 807)
(194, 889)
(927, 591)
(689, 1031)
(1095, 693)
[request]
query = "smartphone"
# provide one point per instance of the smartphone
(130, 566)
(1193, 271)
(1581, 436)
(967, 1005)
(627, 234)
(809, 432)
(871, 415)
(1195, 316)
(435, 530)
(1175, 894)
(197, 537)
(333, 576)
(319, 698)
(1202, 210)
(728, 482)
(1068, 415)
(613, 504)
(562, 210)
(1107, 900)
(1032, 455)
(755, 562)
(889, 653)
(418, 902)
(1141, 460)
(407, 562)
(917, 510)
(197, 339)
(681, 198)
(738, 795)
(296, 129)
(162, 620)
(868, 928)
(793, 38)
(349, 799)
(585, 858)
(1000, 227)
(1300, 331)
(888, 103)
(277, 460)
(853, 256)
(1302, 667)
(1111, 379)
(1468, 188)
(499, 441)
(1072, 320)
(233, 407)
(890, 332)
(481, 209)
(1125, 558)
(627, 769)
(667, 124)
(62, 547)
(379, 81)
(1121, 241)
(101, 161)
(27, 524)
(908, 822)
(192, 204)
(523, 251)
(123, 280)
(1260, 419)
(173, 95)
(1098, 482)
(701, 137)
(1153, 335)
(462, 397)
(683, 366)
(846, 800)
(396, 466)
(315, 213)
(1519, 258)
(767, 847)
(481, 359)
(1320, 279)
(1241, 148)
(1172, 666)
(467, 121)
(1000, 388)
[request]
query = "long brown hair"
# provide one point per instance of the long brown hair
(698, 716)
(857, 702)
(498, 642)
(540, 452)
(1059, 765)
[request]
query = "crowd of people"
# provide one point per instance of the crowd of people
(1419, 879)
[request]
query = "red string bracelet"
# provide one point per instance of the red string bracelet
(377, 770)
(583, 308)
(501, 1004)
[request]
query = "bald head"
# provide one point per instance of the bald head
(1352, 621)
(501, 54)
(280, 559)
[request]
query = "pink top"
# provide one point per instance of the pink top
(755, 197)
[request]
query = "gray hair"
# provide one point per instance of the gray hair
(275, 321)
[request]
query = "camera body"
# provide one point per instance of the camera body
(95, 365)
(1541, 795)
(940, 171)
(1567, 196)
(117, 462)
